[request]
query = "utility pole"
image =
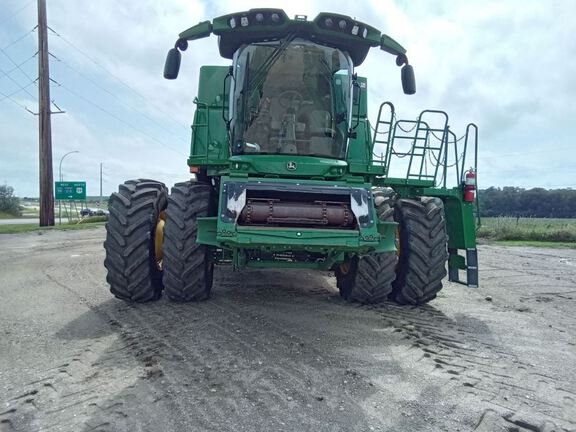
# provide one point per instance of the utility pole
(45, 129)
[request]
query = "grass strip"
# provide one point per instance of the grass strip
(528, 230)
(23, 228)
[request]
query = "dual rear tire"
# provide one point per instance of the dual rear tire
(151, 242)
(414, 274)
(422, 250)
(368, 278)
(134, 270)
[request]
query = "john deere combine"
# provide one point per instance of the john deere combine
(289, 172)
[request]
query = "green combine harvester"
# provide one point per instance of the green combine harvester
(289, 172)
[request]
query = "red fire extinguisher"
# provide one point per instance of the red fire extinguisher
(470, 185)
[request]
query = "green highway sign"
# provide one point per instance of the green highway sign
(70, 190)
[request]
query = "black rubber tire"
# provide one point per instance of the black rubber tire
(423, 250)
(188, 266)
(130, 259)
(368, 278)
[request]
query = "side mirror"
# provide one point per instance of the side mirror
(172, 65)
(408, 80)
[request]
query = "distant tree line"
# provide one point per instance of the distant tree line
(537, 202)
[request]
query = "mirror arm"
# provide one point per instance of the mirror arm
(401, 60)
(226, 120)
(181, 44)
(352, 132)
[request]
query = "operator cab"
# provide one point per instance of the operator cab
(291, 86)
(291, 96)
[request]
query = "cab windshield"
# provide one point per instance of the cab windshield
(291, 97)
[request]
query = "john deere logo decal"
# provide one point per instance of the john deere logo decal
(291, 166)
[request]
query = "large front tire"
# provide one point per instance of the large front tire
(134, 269)
(188, 266)
(422, 250)
(368, 279)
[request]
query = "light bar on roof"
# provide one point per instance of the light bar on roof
(341, 24)
(256, 17)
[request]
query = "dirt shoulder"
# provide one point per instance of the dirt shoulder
(278, 350)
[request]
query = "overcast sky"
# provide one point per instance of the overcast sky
(508, 66)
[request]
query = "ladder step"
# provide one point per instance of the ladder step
(409, 137)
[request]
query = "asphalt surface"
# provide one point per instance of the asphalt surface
(279, 351)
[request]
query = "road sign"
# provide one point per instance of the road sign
(70, 190)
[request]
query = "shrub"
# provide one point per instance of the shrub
(8, 202)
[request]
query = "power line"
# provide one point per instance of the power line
(11, 99)
(19, 65)
(119, 100)
(16, 64)
(20, 87)
(117, 78)
(114, 116)
(16, 91)
(18, 40)
(8, 18)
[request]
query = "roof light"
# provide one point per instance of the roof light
(244, 21)
(259, 17)
(275, 17)
(232, 22)
(355, 30)
(342, 24)
(328, 22)
(365, 33)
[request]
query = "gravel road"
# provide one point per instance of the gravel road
(19, 221)
(279, 351)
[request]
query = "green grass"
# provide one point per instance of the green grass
(22, 228)
(4, 215)
(528, 230)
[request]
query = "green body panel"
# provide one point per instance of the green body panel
(460, 221)
(415, 187)
(360, 150)
(307, 239)
(359, 155)
(277, 166)
(361, 105)
(199, 31)
(209, 144)
(391, 46)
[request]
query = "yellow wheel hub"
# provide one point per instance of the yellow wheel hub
(345, 267)
(159, 239)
